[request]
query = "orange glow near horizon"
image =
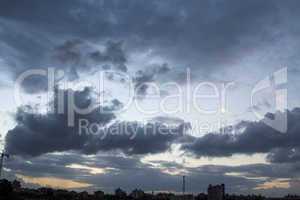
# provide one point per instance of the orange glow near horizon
(54, 182)
(278, 183)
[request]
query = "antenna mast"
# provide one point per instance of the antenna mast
(183, 185)
(3, 155)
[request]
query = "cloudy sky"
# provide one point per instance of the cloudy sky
(100, 94)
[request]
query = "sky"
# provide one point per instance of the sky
(99, 94)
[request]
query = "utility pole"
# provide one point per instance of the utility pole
(3, 155)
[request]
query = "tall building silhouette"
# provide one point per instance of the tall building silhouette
(216, 192)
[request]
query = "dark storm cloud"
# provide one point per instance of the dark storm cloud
(75, 57)
(143, 78)
(254, 137)
(69, 51)
(284, 155)
(168, 120)
(135, 138)
(36, 134)
(203, 35)
(113, 53)
(25, 46)
(35, 84)
(79, 53)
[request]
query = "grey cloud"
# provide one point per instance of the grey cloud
(35, 84)
(55, 165)
(78, 56)
(255, 137)
(164, 68)
(204, 35)
(69, 51)
(284, 155)
(168, 120)
(122, 170)
(134, 138)
(141, 81)
(113, 53)
(26, 46)
(151, 74)
(78, 52)
(127, 172)
(36, 134)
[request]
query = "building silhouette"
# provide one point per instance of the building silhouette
(120, 194)
(14, 190)
(216, 192)
(137, 194)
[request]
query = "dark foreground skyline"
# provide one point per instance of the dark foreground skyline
(14, 190)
